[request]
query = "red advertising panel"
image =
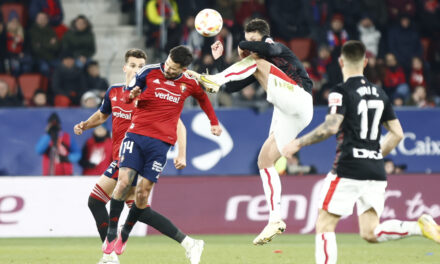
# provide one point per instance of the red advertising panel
(214, 205)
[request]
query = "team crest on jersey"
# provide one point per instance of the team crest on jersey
(183, 87)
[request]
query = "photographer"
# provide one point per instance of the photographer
(59, 150)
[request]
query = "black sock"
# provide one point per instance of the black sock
(97, 207)
(161, 224)
(115, 212)
(132, 218)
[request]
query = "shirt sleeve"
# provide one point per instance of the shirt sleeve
(388, 112)
(336, 102)
(205, 104)
(264, 48)
(106, 106)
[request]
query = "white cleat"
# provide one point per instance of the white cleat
(109, 259)
(429, 227)
(195, 252)
(271, 230)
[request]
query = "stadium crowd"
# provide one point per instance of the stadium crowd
(402, 39)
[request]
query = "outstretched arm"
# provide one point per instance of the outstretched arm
(180, 160)
(98, 118)
(323, 131)
(393, 137)
(262, 48)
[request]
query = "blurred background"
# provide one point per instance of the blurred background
(58, 57)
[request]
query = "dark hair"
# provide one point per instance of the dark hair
(181, 55)
(92, 63)
(137, 53)
(259, 25)
(353, 51)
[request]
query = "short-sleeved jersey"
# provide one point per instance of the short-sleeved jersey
(364, 107)
(122, 113)
(161, 102)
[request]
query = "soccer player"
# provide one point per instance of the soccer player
(161, 90)
(288, 88)
(356, 110)
(122, 113)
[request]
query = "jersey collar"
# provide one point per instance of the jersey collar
(163, 71)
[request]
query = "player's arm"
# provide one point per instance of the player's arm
(98, 118)
(136, 85)
(206, 106)
(266, 48)
(393, 137)
(180, 160)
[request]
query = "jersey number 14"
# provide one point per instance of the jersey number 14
(363, 107)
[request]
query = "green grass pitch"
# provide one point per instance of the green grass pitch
(219, 249)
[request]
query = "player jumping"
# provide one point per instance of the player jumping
(288, 88)
(356, 111)
(121, 119)
(161, 90)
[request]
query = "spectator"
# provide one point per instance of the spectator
(225, 37)
(58, 148)
(390, 167)
(417, 75)
(227, 9)
(97, 152)
(369, 35)
(90, 100)
(52, 8)
(94, 81)
(68, 81)
(351, 10)
(39, 99)
(17, 60)
(191, 38)
(374, 71)
(249, 9)
(394, 80)
(80, 40)
(322, 62)
(2, 45)
(289, 21)
(44, 44)
(419, 98)
(377, 10)
(429, 17)
(397, 8)
(293, 166)
(7, 100)
(404, 42)
(336, 35)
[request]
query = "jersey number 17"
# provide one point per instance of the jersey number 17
(363, 107)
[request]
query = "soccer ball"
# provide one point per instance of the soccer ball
(208, 22)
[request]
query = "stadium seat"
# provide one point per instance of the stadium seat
(303, 48)
(11, 81)
(29, 83)
(61, 101)
(19, 8)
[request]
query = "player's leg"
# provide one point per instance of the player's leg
(269, 153)
(370, 207)
(326, 250)
(131, 161)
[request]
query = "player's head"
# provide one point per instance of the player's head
(256, 29)
(135, 59)
(177, 62)
(353, 56)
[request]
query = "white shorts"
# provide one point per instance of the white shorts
(293, 107)
(338, 195)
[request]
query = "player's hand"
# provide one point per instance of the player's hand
(78, 129)
(243, 53)
(135, 92)
(291, 148)
(217, 49)
(216, 130)
(180, 163)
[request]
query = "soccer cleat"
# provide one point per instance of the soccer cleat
(109, 259)
(195, 252)
(271, 230)
(208, 81)
(429, 227)
(119, 245)
(108, 247)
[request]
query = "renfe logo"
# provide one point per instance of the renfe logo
(167, 95)
(10, 204)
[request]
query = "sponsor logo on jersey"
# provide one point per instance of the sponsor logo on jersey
(164, 94)
(171, 83)
(367, 154)
(121, 113)
(334, 99)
